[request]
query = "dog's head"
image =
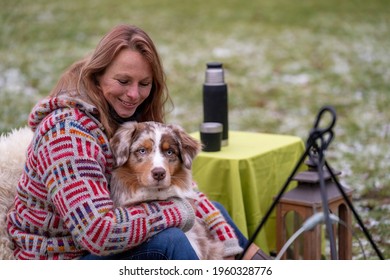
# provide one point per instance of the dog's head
(154, 154)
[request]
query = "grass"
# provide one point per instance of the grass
(283, 59)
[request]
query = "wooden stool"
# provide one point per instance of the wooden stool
(304, 201)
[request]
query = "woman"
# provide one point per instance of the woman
(63, 208)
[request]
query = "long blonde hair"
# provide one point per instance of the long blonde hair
(82, 75)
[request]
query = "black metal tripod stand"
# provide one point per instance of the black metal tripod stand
(318, 141)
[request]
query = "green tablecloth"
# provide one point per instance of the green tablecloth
(246, 175)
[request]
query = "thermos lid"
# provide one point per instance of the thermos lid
(211, 127)
(214, 74)
(214, 65)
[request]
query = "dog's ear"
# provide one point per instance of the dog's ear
(121, 141)
(189, 147)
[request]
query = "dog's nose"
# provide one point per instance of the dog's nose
(158, 173)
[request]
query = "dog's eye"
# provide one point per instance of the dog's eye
(141, 151)
(170, 152)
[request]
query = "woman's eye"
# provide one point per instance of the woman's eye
(123, 82)
(146, 84)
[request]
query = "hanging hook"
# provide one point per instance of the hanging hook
(321, 136)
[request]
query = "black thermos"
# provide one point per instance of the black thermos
(215, 98)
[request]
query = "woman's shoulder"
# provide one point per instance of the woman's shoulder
(70, 116)
(78, 117)
(57, 109)
(67, 132)
(68, 121)
(70, 127)
(56, 118)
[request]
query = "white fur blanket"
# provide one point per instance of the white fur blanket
(13, 148)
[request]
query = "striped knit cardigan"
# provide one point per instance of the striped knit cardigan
(63, 208)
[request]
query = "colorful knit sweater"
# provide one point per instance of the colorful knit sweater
(63, 208)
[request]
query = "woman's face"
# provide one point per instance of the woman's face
(126, 82)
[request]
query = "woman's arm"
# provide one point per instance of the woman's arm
(217, 225)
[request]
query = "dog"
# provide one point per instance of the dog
(153, 162)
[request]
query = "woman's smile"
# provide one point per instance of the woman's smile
(127, 104)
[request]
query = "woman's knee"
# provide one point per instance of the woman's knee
(174, 243)
(172, 235)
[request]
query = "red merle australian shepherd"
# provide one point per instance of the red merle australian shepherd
(153, 162)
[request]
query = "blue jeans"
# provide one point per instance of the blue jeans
(169, 244)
